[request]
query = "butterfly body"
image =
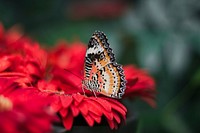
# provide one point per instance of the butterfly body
(102, 73)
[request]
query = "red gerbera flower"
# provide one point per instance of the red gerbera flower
(91, 108)
(68, 56)
(139, 84)
(21, 59)
(21, 111)
(38, 71)
(70, 102)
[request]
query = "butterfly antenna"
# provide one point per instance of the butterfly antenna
(73, 74)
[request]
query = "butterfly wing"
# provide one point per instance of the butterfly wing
(98, 54)
(100, 66)
(111, 80)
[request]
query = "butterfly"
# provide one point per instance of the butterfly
(102, 74)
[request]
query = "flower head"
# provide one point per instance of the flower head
(139, 84)
(32, 78)
(68, 56)
(21, 111)
(19, 59)
(65, 85)
(92, 109)
(70, 102)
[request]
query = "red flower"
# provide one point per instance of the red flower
(70, 102)
(139, 84)
(21, 111)
(21, 59)
(56, 76)
(66, 87)
(70, 57)
(92, 109)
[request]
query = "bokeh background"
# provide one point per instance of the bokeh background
(161, 36)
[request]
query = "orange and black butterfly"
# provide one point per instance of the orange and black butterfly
(102, 74)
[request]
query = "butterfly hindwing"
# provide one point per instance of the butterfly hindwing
(102, 69)
(111, 80)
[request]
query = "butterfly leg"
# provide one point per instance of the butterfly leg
(83, 90)
(94, 93)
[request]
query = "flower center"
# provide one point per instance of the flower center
(5, 104)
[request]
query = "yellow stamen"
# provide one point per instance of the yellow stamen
(55, 92)
(5, 103)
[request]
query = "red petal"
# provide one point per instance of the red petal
(103, 103)
(68, 121)
(4, 64)
(76, 103)
(75, 110)
(40, 124)
(83, 108)
(95, 117)
(108, 115)
(117, 103)
(132, 81)
(33, 69)
(56, 106)
(150, 101)
(89, 120)
(120, 108)
(144, 87)
(63, 112)
(116, 125)
(66, 100)
(94, 107)
(116, 117)
(78, 97)
(111, 124)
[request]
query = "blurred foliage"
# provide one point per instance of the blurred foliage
(162, 36)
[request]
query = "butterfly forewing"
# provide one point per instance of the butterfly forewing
(98, 54)
(102, 69)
